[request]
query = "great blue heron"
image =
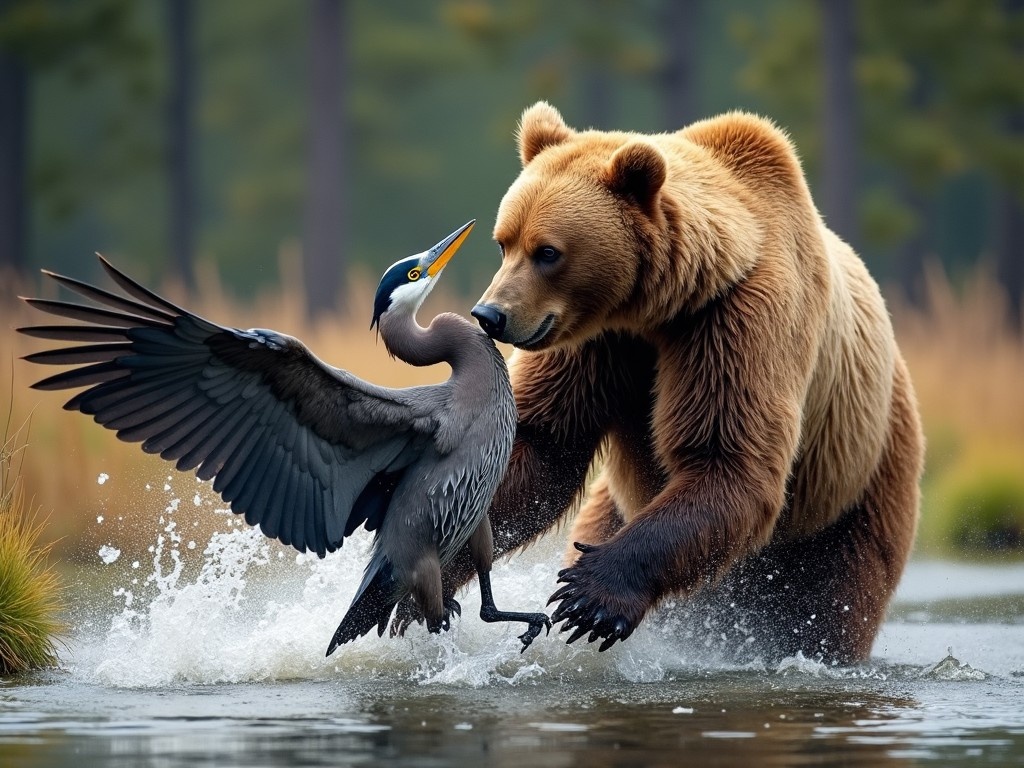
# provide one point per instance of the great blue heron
(307, 451)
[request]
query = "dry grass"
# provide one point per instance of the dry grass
(968, 371)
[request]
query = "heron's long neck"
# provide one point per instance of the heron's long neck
(448, 339)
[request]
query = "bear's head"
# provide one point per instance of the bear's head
(570, 230)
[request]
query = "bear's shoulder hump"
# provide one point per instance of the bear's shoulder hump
(750, 145)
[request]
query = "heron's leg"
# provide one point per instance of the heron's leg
(409, 612)
(425, 583)
(482, 547)
(489, 612)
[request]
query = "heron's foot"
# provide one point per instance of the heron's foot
(451, 608)
(408, 613)
(536, 622)
(542, 622)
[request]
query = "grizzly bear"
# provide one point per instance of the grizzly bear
(686, 320)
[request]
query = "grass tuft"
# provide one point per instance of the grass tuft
(30, 593)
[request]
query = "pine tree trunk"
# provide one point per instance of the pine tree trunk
(597, 92)
(679, 81)
(1010, 208)
(839, 184)
(180, 143)
(323, 259)
(14, 87)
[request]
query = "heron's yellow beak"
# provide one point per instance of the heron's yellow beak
(435, 259)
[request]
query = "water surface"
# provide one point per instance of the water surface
(215, 657)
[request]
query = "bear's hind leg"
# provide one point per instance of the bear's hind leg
(823, 596)
(827, 594)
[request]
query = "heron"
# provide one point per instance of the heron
(307, 451)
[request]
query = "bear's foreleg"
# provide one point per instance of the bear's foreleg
(674, 547)
(598, 520)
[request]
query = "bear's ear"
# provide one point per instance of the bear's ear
(637, 171)
(541, 126)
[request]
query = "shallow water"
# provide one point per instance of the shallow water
(215, 657)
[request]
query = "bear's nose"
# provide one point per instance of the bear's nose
(491, 319)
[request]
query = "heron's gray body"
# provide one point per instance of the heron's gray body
(445, 492)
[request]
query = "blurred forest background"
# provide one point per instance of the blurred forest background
(266, 159)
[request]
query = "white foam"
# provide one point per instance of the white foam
(801, 665)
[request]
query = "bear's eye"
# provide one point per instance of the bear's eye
(547, 254)
(501, 250)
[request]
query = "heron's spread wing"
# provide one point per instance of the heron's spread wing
(307, 451)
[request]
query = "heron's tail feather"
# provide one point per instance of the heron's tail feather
(372, 606)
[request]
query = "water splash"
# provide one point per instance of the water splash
(951, 668)
(245, 609)
(800, 665)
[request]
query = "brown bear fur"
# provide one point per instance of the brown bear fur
(700, 327)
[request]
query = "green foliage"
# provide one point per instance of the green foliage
(87, 35)
(992, 513)
(885, 220)
(977, 508)
(29, 590)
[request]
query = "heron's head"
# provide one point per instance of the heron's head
(407, 282)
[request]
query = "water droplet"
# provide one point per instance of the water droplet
(109, 554)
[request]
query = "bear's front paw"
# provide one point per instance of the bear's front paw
(588, 605)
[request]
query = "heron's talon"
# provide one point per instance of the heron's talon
(533, 630)
(451, 606)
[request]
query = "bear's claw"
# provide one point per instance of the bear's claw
(582, 612)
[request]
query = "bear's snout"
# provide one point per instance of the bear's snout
(491, 319)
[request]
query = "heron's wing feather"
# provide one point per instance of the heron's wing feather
(307, 451)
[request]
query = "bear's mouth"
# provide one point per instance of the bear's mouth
(539, 335)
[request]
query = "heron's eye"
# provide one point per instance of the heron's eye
(547, 254)
(414, 274)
